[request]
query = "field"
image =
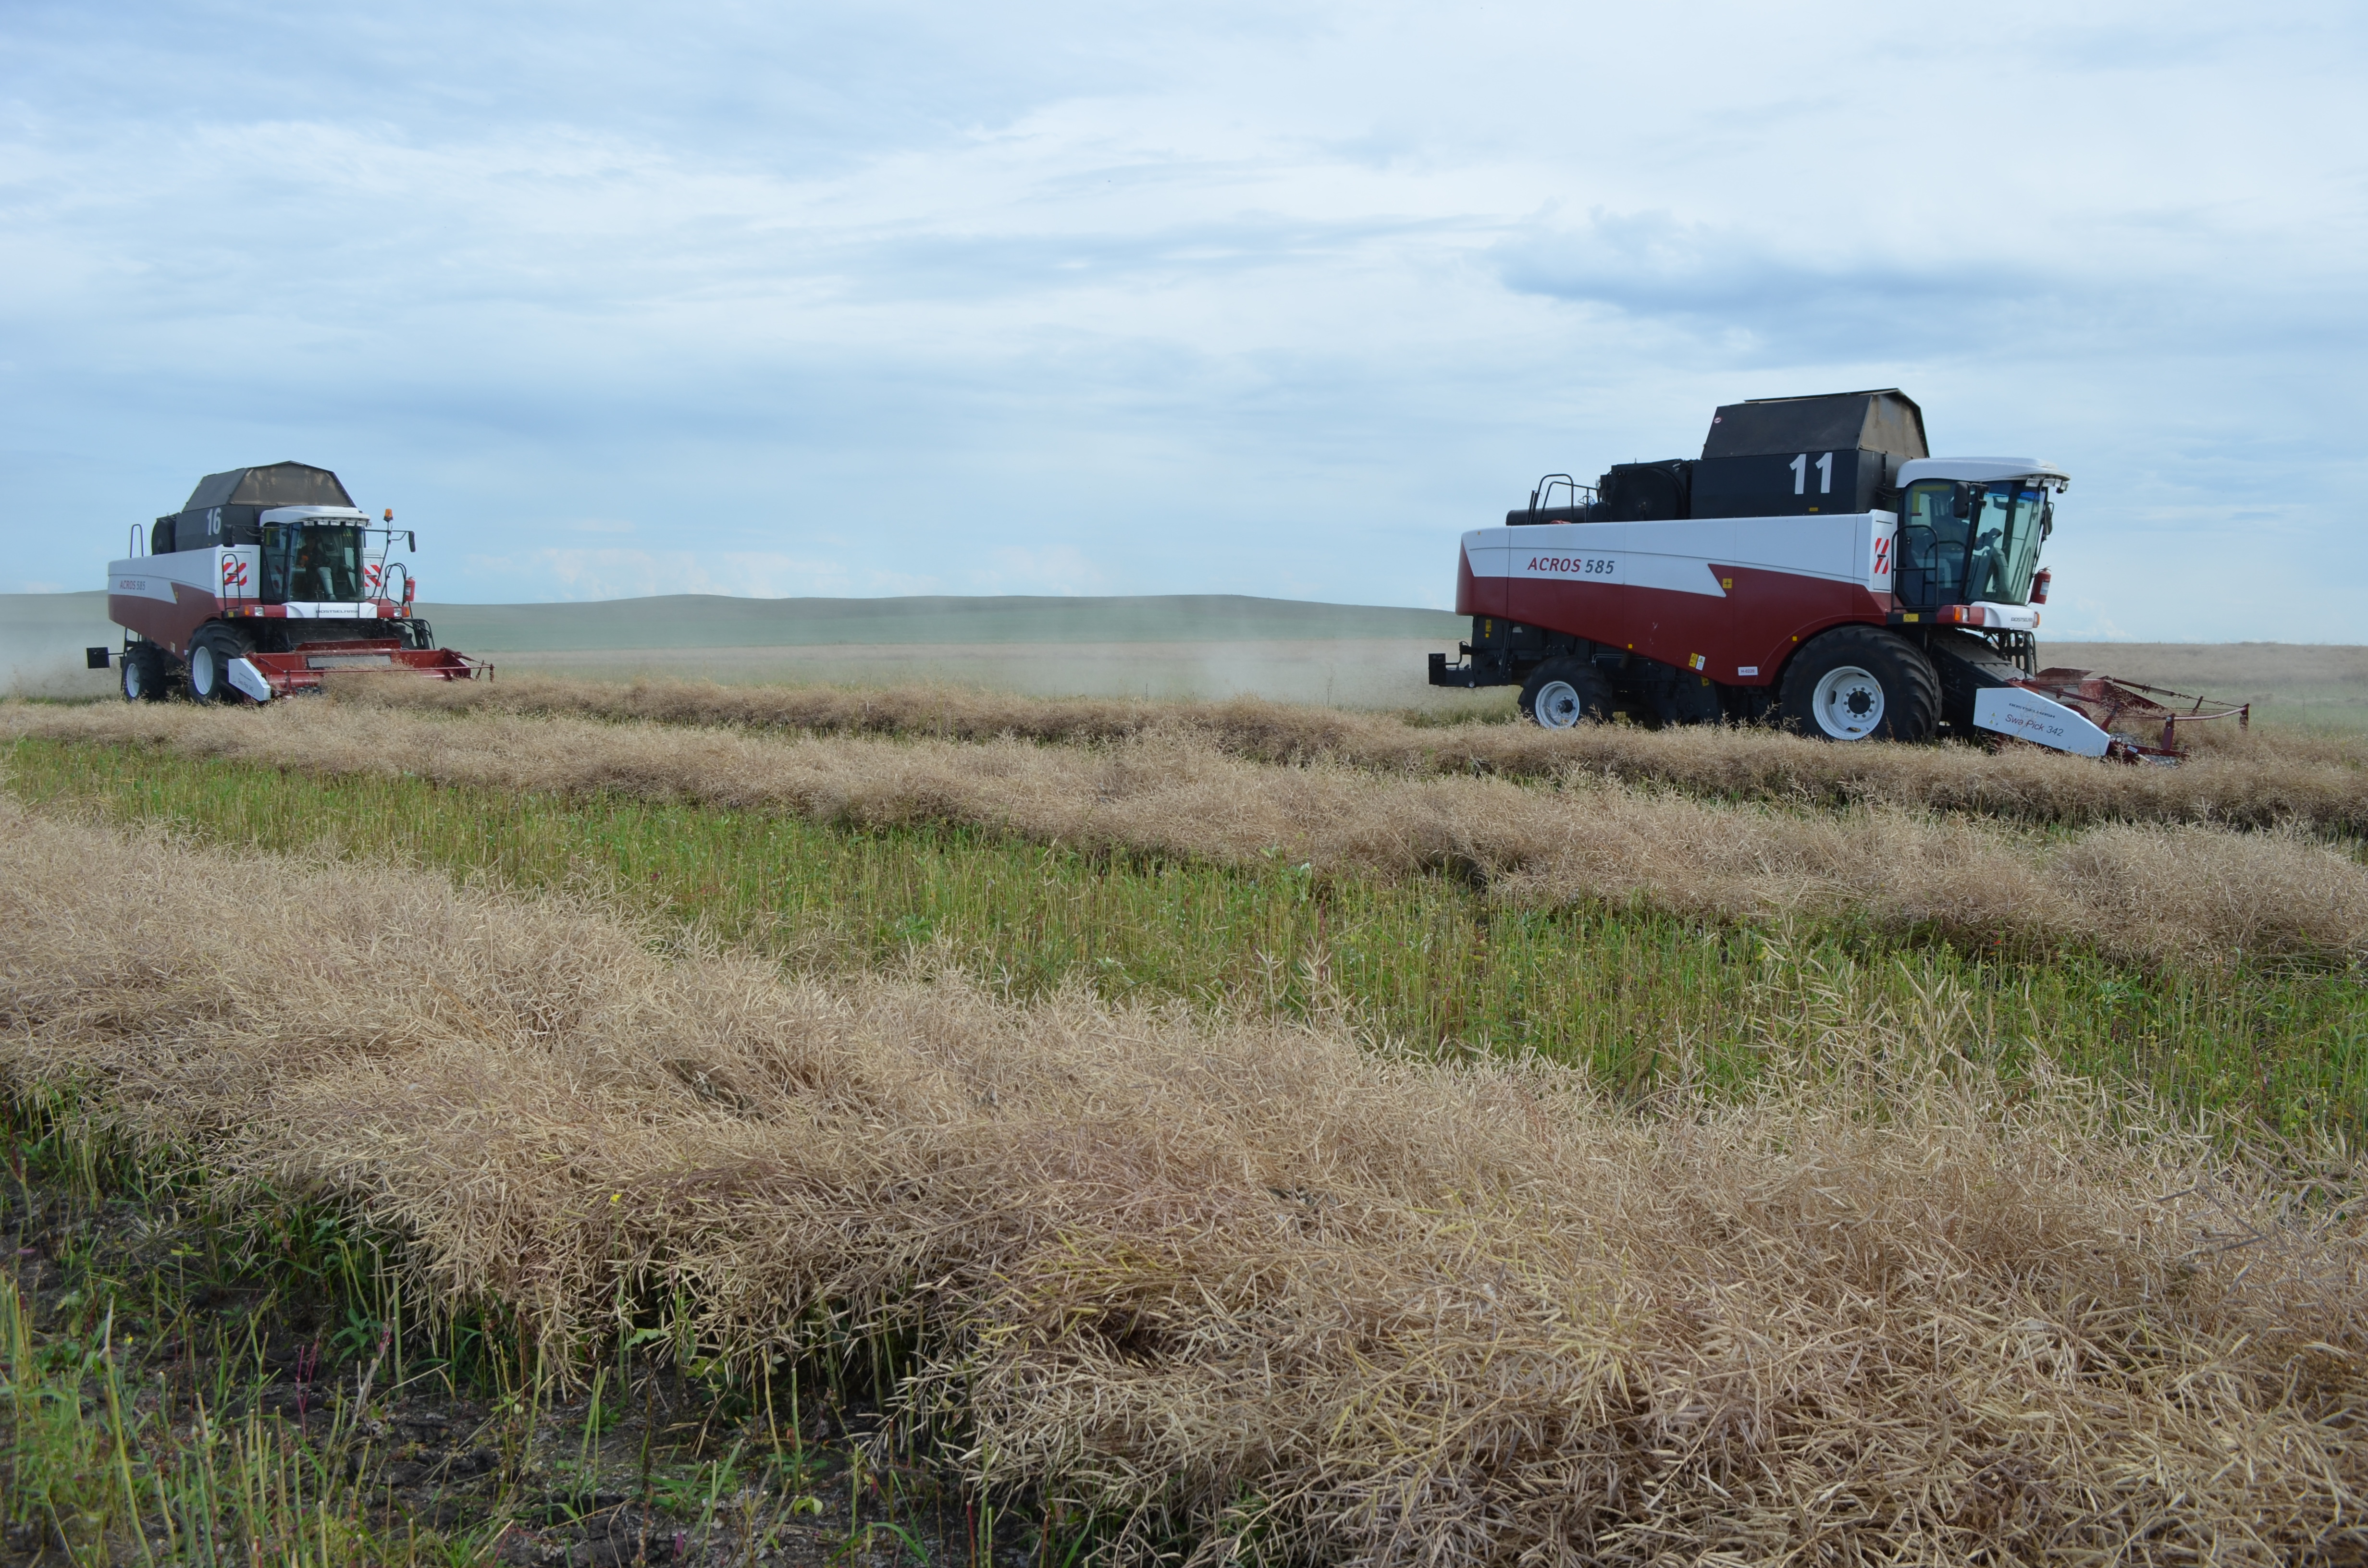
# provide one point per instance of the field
(1156, 647)
(568, 1121)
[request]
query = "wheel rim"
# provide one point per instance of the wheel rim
(1848, 703)
(1558, 706)
(131, 680)
(202, 673)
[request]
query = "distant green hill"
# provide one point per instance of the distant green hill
(713, 621)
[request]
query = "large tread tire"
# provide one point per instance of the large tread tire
(146, 676)
(1562, 694)
(208, 674)
(1860, 683)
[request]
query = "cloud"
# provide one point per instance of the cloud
(1963, 288)
(1739, 289)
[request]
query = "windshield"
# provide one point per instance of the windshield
(318, 564)
(1960, 543)
(2017, 517)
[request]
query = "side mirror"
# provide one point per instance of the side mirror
(94, 658)
(411, 540)
(1964, 505)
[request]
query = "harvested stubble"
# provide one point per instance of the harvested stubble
(2147, 892)
(2237, 779)
(1421, 958)
(1249, 1281)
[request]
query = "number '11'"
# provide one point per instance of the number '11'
(1799, 467)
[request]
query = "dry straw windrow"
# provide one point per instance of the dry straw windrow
(1248, 1281)
(2237, 779)
(2152, 892)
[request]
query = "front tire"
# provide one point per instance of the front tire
(210, 652)
(1562, 694)
(1860, 683)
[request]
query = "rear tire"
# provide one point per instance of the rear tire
(144, 678)
(210, 652)
(1564, 693)
(1860, 683)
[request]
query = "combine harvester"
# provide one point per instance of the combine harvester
(1815, 565)
(268, 579)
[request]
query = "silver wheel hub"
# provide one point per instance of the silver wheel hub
(1558, 706)
(1848, 703)
(202, 673)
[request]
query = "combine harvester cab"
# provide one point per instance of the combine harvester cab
(1815, 566)
(268, 579)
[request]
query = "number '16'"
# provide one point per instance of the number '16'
(1799, 467)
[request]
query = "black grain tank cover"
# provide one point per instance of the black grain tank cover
(274, 484)
(1644, 492)
(1884, 421)
(1788, 456)
(227, 508)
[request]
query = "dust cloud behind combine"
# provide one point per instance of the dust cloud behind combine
(1153, 646)
(1343, 673)
(41, 640)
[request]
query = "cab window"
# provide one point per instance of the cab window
(1933, 546)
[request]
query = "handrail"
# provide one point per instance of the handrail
(1543, 492)
(139, 542)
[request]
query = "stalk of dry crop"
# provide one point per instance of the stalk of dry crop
(2154, 893)
(2243, 780)
(1252, 1281)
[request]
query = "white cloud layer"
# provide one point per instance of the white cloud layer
(1058, 298)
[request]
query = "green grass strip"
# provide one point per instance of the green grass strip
(1426, 960)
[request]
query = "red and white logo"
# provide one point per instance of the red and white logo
(1882, 556)
(233, 572)
(369, 576)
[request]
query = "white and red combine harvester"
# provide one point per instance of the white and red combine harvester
(268, 579)
(1815, 566)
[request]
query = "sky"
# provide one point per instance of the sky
(1055, 298)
